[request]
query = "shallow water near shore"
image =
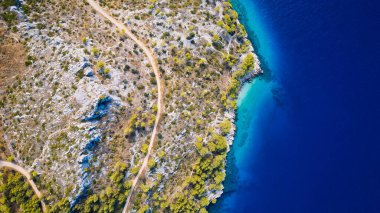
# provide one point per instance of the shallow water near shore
(307, 132)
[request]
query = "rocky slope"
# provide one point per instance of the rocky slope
(80, 109)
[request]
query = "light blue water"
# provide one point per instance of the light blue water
(307, 135)
(254, 97)
(255, 104)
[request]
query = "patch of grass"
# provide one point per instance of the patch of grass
(9, 17)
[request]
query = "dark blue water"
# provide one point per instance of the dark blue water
(308, 137)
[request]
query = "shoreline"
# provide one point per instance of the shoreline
(256, 72)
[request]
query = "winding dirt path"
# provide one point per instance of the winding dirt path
(26, 174)
(154, 64)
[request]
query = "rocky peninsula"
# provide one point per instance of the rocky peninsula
(121, 105)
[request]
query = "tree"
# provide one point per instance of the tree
(17, 192)
(95, 51)
(151, 163)
(84, 40)
(248, 63)
(203, 210)
(144, 148)
(10, 158)
(198, 145)
(100, 64)
(61, 206)
(225, 127)
(145, 188)
(219, 177)
(216, 42)
(128, 185)
(131, 125)
(92, 203)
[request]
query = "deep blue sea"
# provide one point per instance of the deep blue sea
(308, 133)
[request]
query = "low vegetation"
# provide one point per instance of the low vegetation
(82, 111)
(16, 194)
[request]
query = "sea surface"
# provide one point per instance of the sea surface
(308, 132)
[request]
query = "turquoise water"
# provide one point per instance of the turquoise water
(307, 135)
(257, 102)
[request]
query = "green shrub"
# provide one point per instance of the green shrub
(9, 17)
(225, 127)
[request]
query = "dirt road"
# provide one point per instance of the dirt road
(26, 174)
(154, 64)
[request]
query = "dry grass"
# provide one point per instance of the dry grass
(12, 60)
